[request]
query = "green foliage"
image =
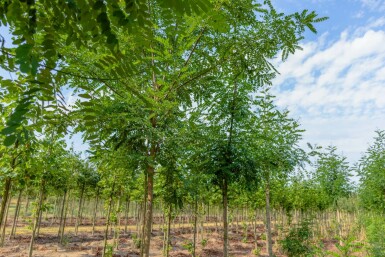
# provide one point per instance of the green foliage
(204, 242)
(109, 252)
(375, 231)
(164, 90)
(137, 241)
(298, 242)
(189, 246)
(257, 251)
(333, 175)
(371, 169)
(348, 246)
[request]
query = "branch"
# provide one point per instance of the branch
(65, 72)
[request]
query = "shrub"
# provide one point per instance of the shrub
(298, 241)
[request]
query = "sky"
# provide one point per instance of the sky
(335, 87)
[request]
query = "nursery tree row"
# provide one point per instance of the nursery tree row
(173, 99)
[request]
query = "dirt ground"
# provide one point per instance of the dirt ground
(87, 245)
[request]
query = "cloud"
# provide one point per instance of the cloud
(378, 5)
(337, 87)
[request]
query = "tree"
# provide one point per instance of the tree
(154, 74)
(276, 149)
(371, 169)
(333, 175)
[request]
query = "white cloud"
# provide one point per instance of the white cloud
(338, 89)
(378, 5)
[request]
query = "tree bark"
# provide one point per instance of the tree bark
(65, 218)
(15, 217)
(126, 212)
(195, 225)
(168, 241)
(149, 205)
(108, 220)
(7, 189)
(142, 215)
(37, 218)
(268, 220)
(225, 220)
(62, 215)
(5, 223)
(117, 224)
(78, 218)
(95, 211)
(26, 204)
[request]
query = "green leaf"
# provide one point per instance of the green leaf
(9, 130)
(85, 96)
(10, 140)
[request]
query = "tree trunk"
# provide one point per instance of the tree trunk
(38, 225)
(148, 217)
(95, 210)
(142, 215)
(268, 220)
(5, 198)
(108, 220)
(65, 218)
(117, 224)
(26, 204)
(225, 220)
(168, 241)
(78, 218)
(255, 230)
(5, 223)
(62, 215)
(17, 211)
(126, 211)
(37, 218)
(195, 225)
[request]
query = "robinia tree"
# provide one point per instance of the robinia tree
(152, 62)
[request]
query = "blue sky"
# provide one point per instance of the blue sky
(336, 85)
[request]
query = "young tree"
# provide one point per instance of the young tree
(152, 74)
(333, 175)
(371, 169)
(276, 149)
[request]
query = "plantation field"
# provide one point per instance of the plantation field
(87, 245)
(246, 238)
(174, 128)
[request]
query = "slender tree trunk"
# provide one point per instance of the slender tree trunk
(150, 170)
(268, 220)
(195, 225)
(5, 199)
(225, 220)
(148, 217)
(108, 220)
(62, 215)
(78, 218)
(95, 211)
(255, 230)
(37, 218)
(65, 218)
(5, 223)
(54, 211)
(26, 204)
(168, 241)
(126, 211)
(38, 225)
(15, 217)
(142, 215)
(117, 224)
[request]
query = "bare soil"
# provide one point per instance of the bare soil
(87, 245)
